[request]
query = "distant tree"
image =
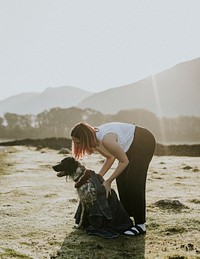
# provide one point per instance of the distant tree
(58, 122)
(2, 128)
(12, 120)
(1, 122)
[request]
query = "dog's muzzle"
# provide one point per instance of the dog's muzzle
(60, 172)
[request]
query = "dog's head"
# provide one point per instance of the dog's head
(69, 167)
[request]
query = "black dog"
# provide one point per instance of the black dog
(82, 178)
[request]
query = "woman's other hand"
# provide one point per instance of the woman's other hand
(107, 185)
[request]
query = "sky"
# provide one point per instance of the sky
(93, 45)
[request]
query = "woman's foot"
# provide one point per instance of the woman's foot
(136, 230)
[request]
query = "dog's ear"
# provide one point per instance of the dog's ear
(72, 165)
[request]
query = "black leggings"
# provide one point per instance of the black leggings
(131, 183)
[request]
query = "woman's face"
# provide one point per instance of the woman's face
(76, 141)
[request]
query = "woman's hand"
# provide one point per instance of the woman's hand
(107, 185)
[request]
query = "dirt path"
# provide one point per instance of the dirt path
(37, 210)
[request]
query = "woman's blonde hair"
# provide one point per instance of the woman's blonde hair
(86, 134)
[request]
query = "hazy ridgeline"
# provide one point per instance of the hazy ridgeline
(58, 122)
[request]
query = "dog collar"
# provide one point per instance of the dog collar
(83, 179)
(82, 170)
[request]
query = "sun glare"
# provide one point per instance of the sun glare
(158, 108)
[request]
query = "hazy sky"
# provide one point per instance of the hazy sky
(92, 44)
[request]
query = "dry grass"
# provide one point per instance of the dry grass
(37, 210)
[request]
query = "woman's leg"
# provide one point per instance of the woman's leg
(132, 182)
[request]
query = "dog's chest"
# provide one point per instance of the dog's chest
(87, 192)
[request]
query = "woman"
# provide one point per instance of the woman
(133, 147)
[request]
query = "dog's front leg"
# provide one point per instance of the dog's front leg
(82, 215)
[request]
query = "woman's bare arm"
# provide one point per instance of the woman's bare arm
(110, 143)
(107, 163)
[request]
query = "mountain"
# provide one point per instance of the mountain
(34, 103)
(171, 93)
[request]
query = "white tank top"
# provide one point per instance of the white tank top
(124, 132)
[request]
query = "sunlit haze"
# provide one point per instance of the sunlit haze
(93, 45)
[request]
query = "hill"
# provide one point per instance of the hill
(171, 93)
(34, 103)
(174, 92)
